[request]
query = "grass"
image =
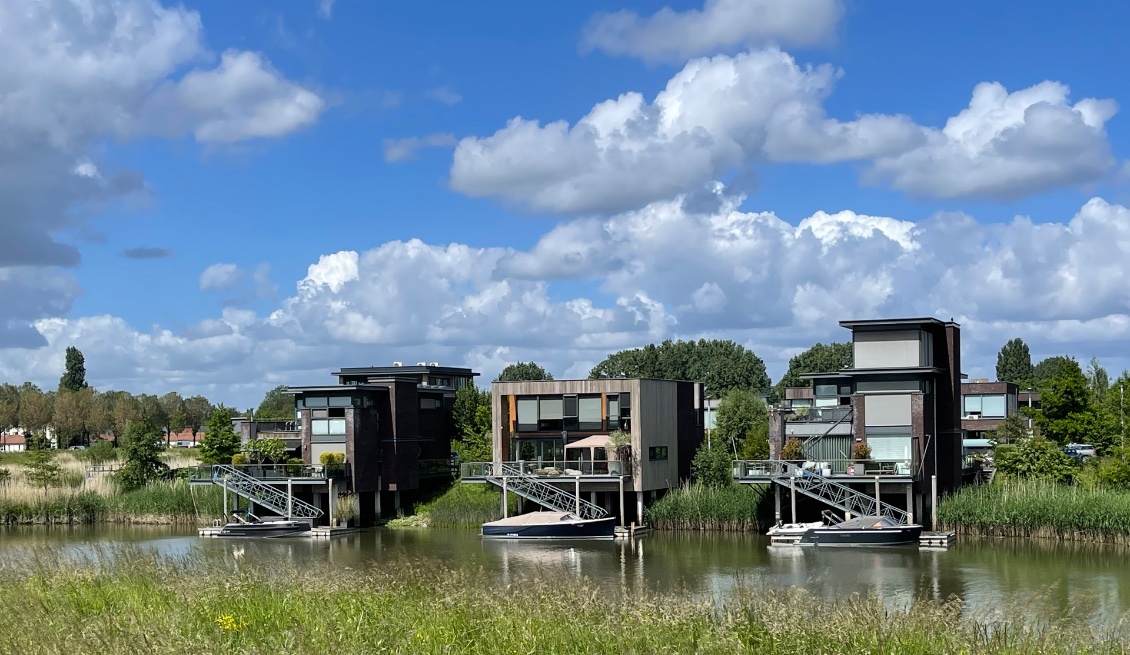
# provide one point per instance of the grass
(732, 508)
(143, 604)
(460, 506)
(1017, 508)
(78, 499)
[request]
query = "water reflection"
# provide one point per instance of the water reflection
(991, 577)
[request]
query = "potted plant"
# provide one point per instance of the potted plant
(792, 451)
(346, 509)
(860, 454)
(620, 445)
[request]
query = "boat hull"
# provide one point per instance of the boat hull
(265, 529)
(892, 536)
(583, 529)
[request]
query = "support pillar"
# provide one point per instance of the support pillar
(226, 499)
(396, 501)
(577, 493)
(377, 502)
(933, 502)
(333, 502)
(910, 502)
(639, 507)
(621, 481)
(289, 498)
(505, 508)
(792, 495)
(877, 500)
(776, 502)
(592, 498)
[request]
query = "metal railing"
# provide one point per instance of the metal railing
(815, 485)
(273, 498)
(551, 468)
(437, 468)
(845, 467)
(277, 471)
(820, 414)
(511, 478)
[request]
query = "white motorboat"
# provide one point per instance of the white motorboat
(791, 533)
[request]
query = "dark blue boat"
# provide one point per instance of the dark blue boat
(863, 531)
(550, 525)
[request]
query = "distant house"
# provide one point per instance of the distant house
(183, 438)
(12, 443)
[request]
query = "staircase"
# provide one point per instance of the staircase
(546, 495)
(265, 495)
(837, 495)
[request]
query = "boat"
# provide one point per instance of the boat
(790, 533)
(863, 531)
(550, 525)
(249, 525)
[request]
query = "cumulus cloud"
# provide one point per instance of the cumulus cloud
(220, 276)
(241, 286)
(720, 25)
(406, 148)
(723, 114)
(325, 9)
(642, 276)
(444, 94)
(143, 252)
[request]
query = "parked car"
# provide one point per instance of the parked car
(1081, 451)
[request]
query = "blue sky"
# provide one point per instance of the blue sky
(795, 172)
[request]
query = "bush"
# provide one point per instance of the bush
(329, 459)
(699, 507)
(294, 466)
(713, 465)
(861, 450)
(238, 459)
(1036, 458)
(792, 451)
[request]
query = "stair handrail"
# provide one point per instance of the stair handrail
(264, 494)
(541, 492)
(838, 495)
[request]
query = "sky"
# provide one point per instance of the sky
(218, 198)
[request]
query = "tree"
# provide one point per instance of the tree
(1067, 414)
(72, 415)
(74, 378)
(101, 419)
(267, 451)
(101, 452)
(152, 411)
(1034, 458)
(36, 409)
(126, 410)
(523, 371)
(1054, 367)
(743, 423)
(817, 359)
(712, 465)
(220, 441)
(720, 364)
(9, 406)
(1014, 363)
(1012, 430)
(1099, 381)
(277, 405)
(142, 445)
(176, 415)
(197, 410)
(471, 417)
(42, 471)
(793, 450)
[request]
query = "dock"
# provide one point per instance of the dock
(937, 539)
(323, 532)
(621, 532)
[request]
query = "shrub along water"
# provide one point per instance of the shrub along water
(461, 506)
(166, 502)
(1035, 508)
(422, 606)
(732, 508)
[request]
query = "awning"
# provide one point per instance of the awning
(595, 441)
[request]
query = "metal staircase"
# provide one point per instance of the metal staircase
(272, 498)
(546, 495)
(837, 495)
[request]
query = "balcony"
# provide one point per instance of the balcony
(278, 472)
(765, 470)
(555, 469)
(819, 414)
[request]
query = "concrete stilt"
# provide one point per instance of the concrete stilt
(289, 498)
(226, 499)
(396, 501)
(577, 493)
(621, 481)
(639, 507)
(504, 503)
(776, 502)
(792, 496)
(933, 502)
(877, 501)
(910, 502)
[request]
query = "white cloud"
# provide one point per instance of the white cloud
(444, 94)
(1008, 145)
(659, 272)
(726, 113)
(325, 9)
(406, 148)
(220, 276)
(721, 25)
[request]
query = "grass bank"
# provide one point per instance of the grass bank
(1018, 508)
(81, 499)
(422, 606)
(733, 508)
(459, 506)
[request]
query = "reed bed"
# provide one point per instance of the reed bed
(461, 506)
(1038, 509)
(144, 604)
(732, 508)
(99, 501)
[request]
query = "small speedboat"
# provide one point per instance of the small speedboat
(790, 533)
(550, 525)
(863, 531)
(250, 525)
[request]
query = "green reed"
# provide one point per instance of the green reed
(732, 508)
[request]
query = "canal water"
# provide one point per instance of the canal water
(1042, 580)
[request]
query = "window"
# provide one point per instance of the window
(989, 406)
(550, 414)
(340, 401)
(440, 382)
(588, 413)
(316, 401)
(657, 453)
(428, 402)
(527, 414)
(325, 427)
(335, 412)
(570, 422)
(319, 413)
(972, 405)
(825, 390)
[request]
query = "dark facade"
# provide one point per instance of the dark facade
(986, 405)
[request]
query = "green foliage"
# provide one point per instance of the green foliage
(1098, 380)
(142, 446)
(238, 459)
(464, 506)
(620, 443)
(1012, 430)
(1035, 458)
(743, 420)
(152, 410)
(1111, 472)
(1055, 367)
(1067, 414)
(720, 364)
(792, 451)
(345, 509)
(330, 459)
(197, 411)
(731, 508)
(277, 405)
(175, 411)
(100, 452)
(74, 377)
(713, 465)
(42, 471)
(36, 441)
(220, 441)
(36, 408)
(472, 421)
(523, 371)
(817, 359)
(1014, 363)
(9, 406)
(861, 450)
(294, 466)
(266, 451)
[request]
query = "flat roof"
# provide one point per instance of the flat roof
(895, 322)
(594, 380)
(404, 370)
(335, 388)
(856, 372)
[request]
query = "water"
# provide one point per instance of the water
(1042, 580)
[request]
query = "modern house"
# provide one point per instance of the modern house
(391, 424)
(555, 434)
(901, 397)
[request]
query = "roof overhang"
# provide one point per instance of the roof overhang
(335, 388)
(881, 323)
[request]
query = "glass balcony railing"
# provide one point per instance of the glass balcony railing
(550, 468)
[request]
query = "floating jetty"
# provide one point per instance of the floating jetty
(323, 532)
(937, 539)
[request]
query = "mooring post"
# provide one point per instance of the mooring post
(504, 503)
(225, 497)
(792, 495)
(776, 502)
(933, 502)
(289, 498)
(910, 502)
(577, 486)
(621, 480)
(878, 503)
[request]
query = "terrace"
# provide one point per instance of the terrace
(599, 469)
(891, 470)
(296, 473)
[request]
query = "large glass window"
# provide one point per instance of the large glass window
(316, 401)
(972, 404)
(340, 401)
(825, 390)
(322, 427)
(993, 406)
(588, 411)
(527, 414)
(551, 413)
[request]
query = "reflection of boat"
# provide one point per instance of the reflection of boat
(550, 525)
(790, 533)
(863, 531)
(250, 525)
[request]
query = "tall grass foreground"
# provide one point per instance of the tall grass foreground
(144, 604)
